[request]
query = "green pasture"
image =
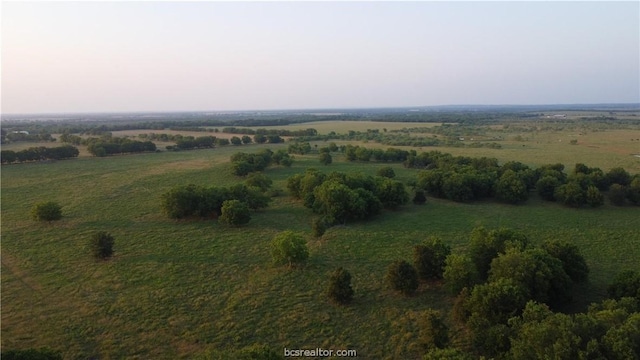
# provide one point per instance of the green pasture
(193, 289)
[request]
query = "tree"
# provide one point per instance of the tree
(511, 189)
(593, 197)
(433, 331)
(459, 272)
(633, 191)
(102, 245)
(386, 171)
(235, 213)
(402, 276)
(246, 139)
(318, 227)
(289, 248)
(570, 194)
(619, 176)
(391, 193)
(325, 158)
(46, 211)
(625, 284)
(340, 290)
(546, 187)
(617, 194)
(259, 138)
(572, 260)
(429, 258)
(419, 198)
(259, 180)
(487, 244)
(236, 140)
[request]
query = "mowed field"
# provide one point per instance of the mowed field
(197, 289)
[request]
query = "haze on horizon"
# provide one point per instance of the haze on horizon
(207, 56)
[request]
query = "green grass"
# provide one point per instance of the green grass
(185, 289)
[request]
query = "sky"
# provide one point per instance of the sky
(223, 56)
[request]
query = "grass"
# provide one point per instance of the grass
(189, 289)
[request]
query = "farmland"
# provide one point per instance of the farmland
(198, 289)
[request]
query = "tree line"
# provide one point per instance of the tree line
(262, 131)
(244, 163)
(39, 153)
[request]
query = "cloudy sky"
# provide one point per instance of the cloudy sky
(177, 56)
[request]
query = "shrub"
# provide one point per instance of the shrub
(403, 277)
(102, 245)
(235, 213)
(46, 211)
(288, 248)
(325, 158)
(419, 198)
(387, 172)
(340, 290)
(318, 227)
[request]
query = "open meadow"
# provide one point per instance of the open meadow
(199, 289)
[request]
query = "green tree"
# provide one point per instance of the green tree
(594, 197)
(625, 284)
(340, 290)
(419, 198)
(246, 139)
(619, 176)
(485, 245)
(511, 189)
(236, 140)
(633, 192)
(259, 180)
(546, 187)
(617, 194)
(570, 194)
(318, 227)
(391, 193)
(402, 276)
(572, 260)
(325, 158)
(235, 213)
(459, 272)
(46, 211)
(101, 244)
(289, 248)
(429, 258)
(433, 332)
(386, 171)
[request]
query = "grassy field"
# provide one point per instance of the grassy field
(197, 289)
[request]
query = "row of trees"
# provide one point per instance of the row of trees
(244, 163)
(230, 205)
(116, 145)
(279, 132)
(39, 153)
(466, 179)
(339, 197)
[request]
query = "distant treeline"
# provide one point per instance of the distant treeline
(115, 145)
(279, 132)
(39, 154)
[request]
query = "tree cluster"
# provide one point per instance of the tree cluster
(245, 163)
(108, 145)
(213, 202)
(279, 132)
(360, 153)
(39, 153)
(340, 197)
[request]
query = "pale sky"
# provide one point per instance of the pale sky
(201, 56)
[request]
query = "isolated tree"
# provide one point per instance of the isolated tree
(459, 272)
(102, 245)
(289, 248)
(46, 211)
(340, 290)
(234, 213)
(236, 140)
(246, 139)
(402, 276)
(325, 158)
(429, 258)
(386, 171)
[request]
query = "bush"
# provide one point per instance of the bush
(419, 198)
(235, 213)
(403, 277)
(46, 211)
(288, 248)
(387, 172)
(102, 245)
(325, 158)
(340, 290)
(318, 227)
